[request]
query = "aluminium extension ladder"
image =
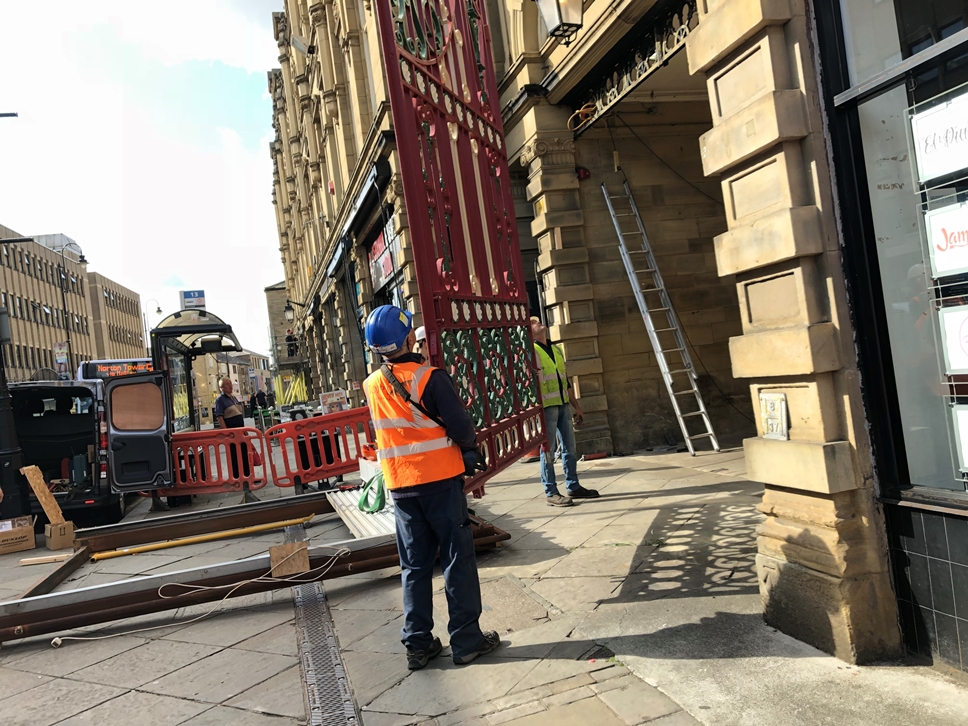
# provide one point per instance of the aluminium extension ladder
(668, 341)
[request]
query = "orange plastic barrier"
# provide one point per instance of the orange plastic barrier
(218, 460)
(317, 448)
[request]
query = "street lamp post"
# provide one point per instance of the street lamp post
(62, 272)
(144, 319)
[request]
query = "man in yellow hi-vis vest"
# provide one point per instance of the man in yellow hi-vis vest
(558, 406)
(426, 443)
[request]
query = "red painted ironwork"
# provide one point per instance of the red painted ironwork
(221, 460)
(453, 160)
(317, 448)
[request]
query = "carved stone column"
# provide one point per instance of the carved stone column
(822, 559)
(563, 266)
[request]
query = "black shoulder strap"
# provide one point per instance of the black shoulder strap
(405, 395)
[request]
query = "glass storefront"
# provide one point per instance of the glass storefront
(915, 164)
(896, 78)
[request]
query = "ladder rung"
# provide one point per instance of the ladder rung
(650, 289)
(634, 232)
(658, 310)
(639, 272)
(680, 370)
(617, 196)
(690, 415)
(693, 391)
(664, 330)
(701, 436)
(672, 350)
(624, 215)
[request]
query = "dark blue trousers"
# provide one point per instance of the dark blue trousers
(425, 523)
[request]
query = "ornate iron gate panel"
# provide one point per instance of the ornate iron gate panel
(450, 142)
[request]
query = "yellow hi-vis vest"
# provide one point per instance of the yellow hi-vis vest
(554, 382)
(412, 448)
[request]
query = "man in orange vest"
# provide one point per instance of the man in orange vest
(425, 443)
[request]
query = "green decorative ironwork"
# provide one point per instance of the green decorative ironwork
(462, 361)
(421, 41)
(522, 357)
(497, 380)
(474, 17)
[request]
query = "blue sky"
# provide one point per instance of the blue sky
(143, 135)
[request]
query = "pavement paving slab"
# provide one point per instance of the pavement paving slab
(282, 695)
(144, 664)
(553, 537)
(280, 640)
(38, 656)
(577, 594)
(219, 677)
(607, 561)
(144, 709)
(13, 682)
(230, 627)
(385, 639)
(442, 687)
(587, 712)
(54, 701)
(227, 716)
(639, 703)
(354, 625)
(373, 674)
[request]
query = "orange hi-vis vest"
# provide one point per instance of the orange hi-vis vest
(412, 448)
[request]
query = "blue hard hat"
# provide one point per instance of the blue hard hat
(387, 329)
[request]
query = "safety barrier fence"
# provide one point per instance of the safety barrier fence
(317, 448)
(219, 460)
(312, 450)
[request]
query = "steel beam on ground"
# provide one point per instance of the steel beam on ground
(141, 596)
(56, 576)
(190, 524)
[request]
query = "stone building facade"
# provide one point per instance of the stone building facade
(117, 319)
(784, 161)
(45, 315)
(42, 317)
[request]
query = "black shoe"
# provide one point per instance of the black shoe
(583, 493)
(490, 641)
(417, 659)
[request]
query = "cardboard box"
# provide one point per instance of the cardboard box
(59, 536)
(17, 535)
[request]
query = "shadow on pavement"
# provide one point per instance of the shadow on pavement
(695, 551)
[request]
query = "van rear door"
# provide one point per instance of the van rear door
(137, 409)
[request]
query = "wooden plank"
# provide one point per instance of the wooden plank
(291, 558)
(52, 579)
(50, 506)
(45, 560)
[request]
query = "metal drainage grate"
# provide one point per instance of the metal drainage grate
(331, 700)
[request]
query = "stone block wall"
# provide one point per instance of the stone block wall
(682, 211)
(822, 558)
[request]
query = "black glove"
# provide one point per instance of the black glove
(474, 461)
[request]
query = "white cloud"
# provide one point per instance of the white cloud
(87, 159)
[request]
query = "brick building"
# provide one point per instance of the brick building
(800, 172)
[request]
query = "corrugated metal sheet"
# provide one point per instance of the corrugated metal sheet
(362, 524)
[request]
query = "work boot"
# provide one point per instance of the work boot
(417, 659)
(556, 500)
(583, 493)
(490, 641)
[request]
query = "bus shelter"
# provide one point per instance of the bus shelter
(175, 343)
